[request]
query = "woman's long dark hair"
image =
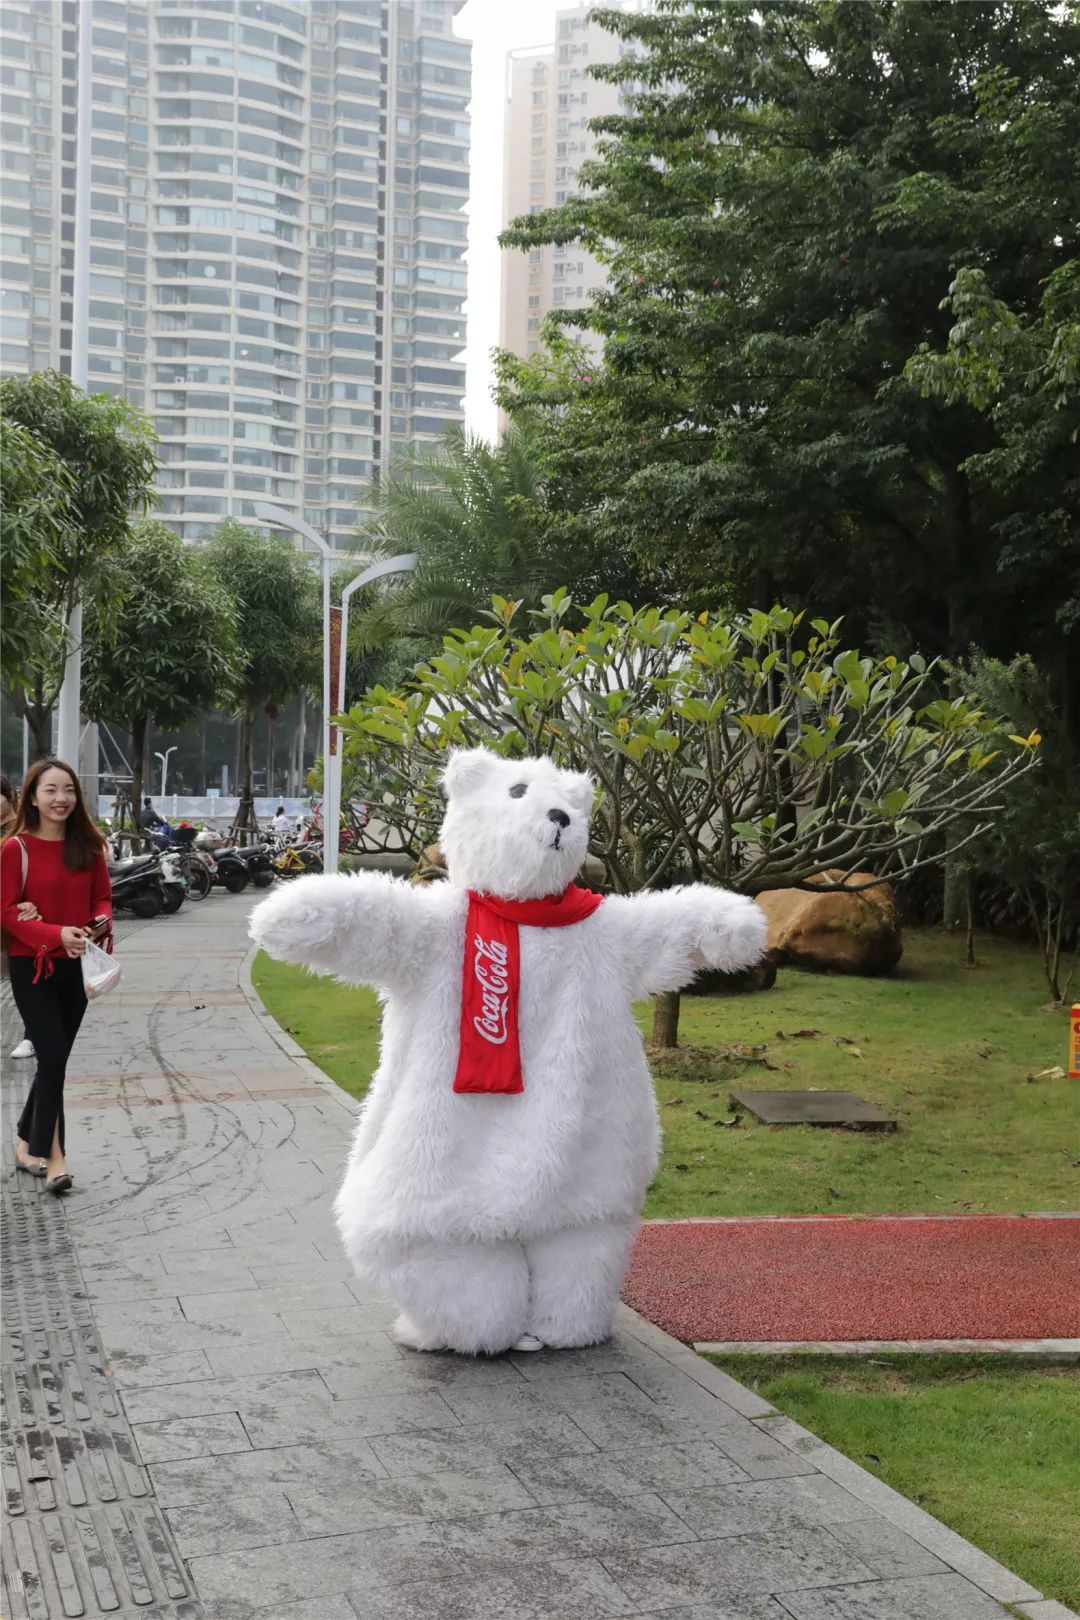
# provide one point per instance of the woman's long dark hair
(83, 843)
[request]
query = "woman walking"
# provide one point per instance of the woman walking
(53, 863)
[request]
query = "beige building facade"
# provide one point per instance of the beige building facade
(550, 99)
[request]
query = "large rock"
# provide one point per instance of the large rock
(838, 932)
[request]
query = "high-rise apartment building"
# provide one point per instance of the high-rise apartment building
(550, 100)
(277, 227)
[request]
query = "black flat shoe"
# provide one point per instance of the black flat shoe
(59, 1184)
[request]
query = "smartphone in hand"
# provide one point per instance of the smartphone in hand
(98, 927)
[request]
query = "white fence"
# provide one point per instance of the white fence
(186, 807)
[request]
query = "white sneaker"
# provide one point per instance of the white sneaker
(528, 1342)
(25, 1048)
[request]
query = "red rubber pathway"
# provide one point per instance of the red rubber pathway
(844, 1277)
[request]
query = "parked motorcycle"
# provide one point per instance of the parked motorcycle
(138, 885)
(173, 882)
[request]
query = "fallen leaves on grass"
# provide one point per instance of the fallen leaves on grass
(1056, 1073)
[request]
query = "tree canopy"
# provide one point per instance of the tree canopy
(483, 521)
(77, 468)
(275, 598)
(169, 652)
(782, 209)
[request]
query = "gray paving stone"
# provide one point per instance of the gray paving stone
(571, 1530)
(205, 1395)
(220, 1478)
(506, 1402)
(740, 1607)
(134, 1372)
(321, 1608)
(231, 1355)
(1046, 1609)
(340, 1422)
(260, 1519)
(474, 1448)
(324, 1566)
(191, 1437)
(605, 1476)
(928, 1597)
(705, 1571)
(355, 1377)
(758, 1453)
(367, 1505)
(885, 1548)
(351, 1325)
(217, 1307)
(562, 1589)
(758, 1507)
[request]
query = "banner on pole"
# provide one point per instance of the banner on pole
(335, 672)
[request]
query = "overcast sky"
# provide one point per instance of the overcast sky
(495, 27)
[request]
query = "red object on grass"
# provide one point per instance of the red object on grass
(844, 1277)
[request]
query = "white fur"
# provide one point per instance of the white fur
(488, 1217)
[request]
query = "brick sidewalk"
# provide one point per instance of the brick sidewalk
(207, 1420)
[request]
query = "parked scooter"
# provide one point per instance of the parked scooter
(138, 885)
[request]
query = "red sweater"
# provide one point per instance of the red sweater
(65, 899)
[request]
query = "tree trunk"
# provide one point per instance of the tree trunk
(202, 757)
(969, 909)
(138, 746)
(665, 1028)
(30, 706)
(301, 754)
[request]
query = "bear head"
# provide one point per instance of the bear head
(517, 829)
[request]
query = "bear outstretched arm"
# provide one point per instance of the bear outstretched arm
(366, 929)
(666, 937)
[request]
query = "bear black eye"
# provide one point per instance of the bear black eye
(519, 790)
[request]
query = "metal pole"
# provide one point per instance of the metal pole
(402, 564)
(330, 819)
(269, 513)
(69, 706)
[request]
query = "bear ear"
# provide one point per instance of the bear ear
(582, 793)
(466, 769)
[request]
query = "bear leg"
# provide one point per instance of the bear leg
(468, 1297)
(575, 1277)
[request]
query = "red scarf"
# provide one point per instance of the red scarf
(489, 1058)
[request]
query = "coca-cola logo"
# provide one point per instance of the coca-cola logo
(492, 975)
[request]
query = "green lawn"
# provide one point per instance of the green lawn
(991, 1450)
(949, 1048)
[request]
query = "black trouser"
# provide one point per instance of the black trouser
(52, 1011)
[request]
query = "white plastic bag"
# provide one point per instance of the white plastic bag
(100, 971)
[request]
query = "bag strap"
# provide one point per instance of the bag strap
(25, 865)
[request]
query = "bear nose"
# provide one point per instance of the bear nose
(560, 818)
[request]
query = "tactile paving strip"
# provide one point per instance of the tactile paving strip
(83, 1534)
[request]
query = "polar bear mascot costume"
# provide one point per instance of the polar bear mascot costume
(503, 1151)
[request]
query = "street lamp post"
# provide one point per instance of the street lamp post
(402, 564)
(164, 758)
(286, 520)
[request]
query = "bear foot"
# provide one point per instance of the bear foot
(528, 1341)
(405, 1332)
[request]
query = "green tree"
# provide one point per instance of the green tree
(277, 628)
(169, 652)
(35, 519)
(483, 521)
(781, 210)
(99, 452)
(754, 751)
(1033, 843)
